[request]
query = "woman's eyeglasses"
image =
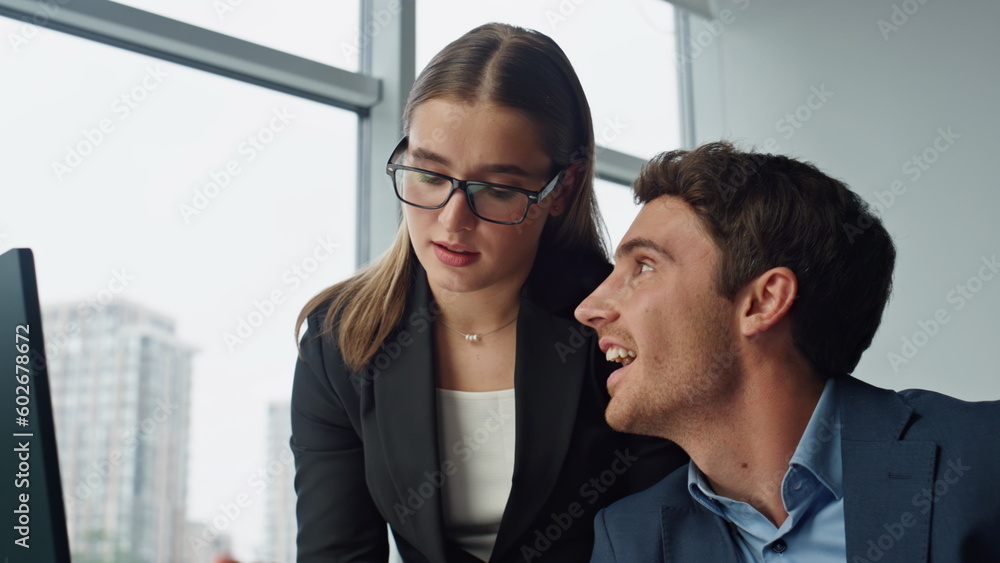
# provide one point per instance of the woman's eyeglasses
(495, 203)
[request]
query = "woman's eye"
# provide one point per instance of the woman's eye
(428, 179)
(500, 194)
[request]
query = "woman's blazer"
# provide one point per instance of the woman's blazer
(366, 444)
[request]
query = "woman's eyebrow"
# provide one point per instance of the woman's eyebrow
(512, 169)
(424, 154)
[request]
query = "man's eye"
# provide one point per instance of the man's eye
(644, 267)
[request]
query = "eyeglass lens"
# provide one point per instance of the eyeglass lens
(489, 202)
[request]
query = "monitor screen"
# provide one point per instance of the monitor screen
(34, 518)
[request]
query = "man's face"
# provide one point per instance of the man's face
(661, 310)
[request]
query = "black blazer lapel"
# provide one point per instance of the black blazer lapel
(884, 477)
(547, 394)
(406, 409)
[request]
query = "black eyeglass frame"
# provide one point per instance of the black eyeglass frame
(463, 186)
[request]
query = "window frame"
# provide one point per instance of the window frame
(376, 93)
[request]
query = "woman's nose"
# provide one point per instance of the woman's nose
(456, 214)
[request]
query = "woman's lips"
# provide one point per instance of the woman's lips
(457, 256)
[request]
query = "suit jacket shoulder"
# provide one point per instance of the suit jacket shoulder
(661, 523)
(918, 475)
(919, 486)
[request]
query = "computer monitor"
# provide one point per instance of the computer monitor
(33, 525)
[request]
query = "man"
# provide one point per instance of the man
(742, 296)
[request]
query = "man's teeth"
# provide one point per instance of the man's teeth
(618, 354)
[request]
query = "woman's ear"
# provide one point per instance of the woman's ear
(568, 185)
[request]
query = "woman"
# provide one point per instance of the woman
(446, 389)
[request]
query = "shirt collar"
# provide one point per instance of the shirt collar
(818, 452)
(702, 492)
(819, 448)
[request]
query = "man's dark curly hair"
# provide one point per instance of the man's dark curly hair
(765, 211)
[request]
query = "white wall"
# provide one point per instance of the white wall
(889, 93)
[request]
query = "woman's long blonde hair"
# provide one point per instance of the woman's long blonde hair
(504, 65)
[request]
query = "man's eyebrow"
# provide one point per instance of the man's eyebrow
(632, 244)
(512, 169)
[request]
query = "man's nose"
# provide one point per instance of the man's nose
(597, 309)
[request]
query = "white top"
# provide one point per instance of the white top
(476, 432)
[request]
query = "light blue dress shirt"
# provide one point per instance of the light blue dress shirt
(812, 492)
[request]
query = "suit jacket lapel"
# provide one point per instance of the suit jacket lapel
(406, 409)
(682, 521)
(547, 394)
(884, 477)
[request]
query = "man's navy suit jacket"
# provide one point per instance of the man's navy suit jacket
(921, 483)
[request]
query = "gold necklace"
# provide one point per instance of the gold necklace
(477, 337)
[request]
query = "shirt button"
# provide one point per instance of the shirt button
(779, 546)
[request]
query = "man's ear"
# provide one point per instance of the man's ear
(766, 300)
(568, 185)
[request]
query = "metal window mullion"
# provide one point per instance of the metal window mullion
(388, 52)
(616, 166)
(685, 84)
(164, 38)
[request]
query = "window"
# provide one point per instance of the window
(195, 215)
(622, 51)
(617, 207)
(320, 30)
(213, 205)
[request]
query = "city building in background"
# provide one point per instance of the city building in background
(120, 384)
(199, 550)
(280, 526)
